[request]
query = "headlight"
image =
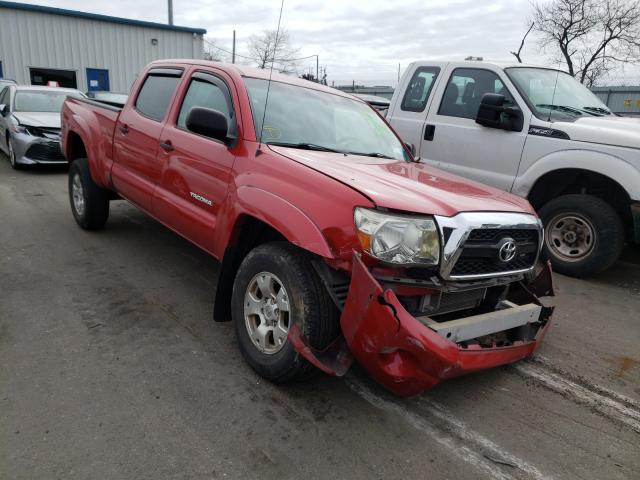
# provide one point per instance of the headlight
(399, 239)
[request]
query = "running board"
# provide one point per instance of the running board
(511, 316)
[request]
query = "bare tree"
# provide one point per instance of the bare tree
(211, 50)
(517, 54)
(273, 46)
(593, 36)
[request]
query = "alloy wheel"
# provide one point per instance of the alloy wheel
(77, 193)
(266, 312)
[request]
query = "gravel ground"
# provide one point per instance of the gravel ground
(111, 368)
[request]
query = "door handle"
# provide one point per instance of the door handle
(166, 146)
(429, 132)
(124, 129)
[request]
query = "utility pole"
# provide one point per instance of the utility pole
(170, 7)
(233, 49)
(317, 69)
(398, 73)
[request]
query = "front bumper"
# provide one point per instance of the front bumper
(406, 356)
(31, 150)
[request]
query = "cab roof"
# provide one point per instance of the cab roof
(252, 72)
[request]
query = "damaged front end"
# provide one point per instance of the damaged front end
(390, 331)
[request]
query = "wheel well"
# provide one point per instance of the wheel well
(75, 147)
(248, 233)
(573, 180)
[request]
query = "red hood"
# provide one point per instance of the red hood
(409, 187)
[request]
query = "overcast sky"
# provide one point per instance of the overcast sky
(362, 41)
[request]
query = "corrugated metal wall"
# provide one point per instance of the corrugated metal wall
(34, 39)
(621, 100)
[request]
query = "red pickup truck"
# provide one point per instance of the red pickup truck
(335, 242)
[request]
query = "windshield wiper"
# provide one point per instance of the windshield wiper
(372, 154)
(603, 111)
(304, 146)
(565, 108)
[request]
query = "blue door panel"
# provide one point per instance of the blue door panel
(97, 80)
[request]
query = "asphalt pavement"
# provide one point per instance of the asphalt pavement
(112, 368)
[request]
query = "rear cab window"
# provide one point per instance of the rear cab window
(157, 91)
(465, 89)
(417, 93)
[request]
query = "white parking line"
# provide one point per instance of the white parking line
(611, 404)
(477, 453)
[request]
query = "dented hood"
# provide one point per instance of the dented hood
(38, 119)
(410, 187)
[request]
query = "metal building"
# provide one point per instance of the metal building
(621, 100)
(45, 45)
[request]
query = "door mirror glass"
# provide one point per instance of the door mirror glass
(4, 110)
(493, 113)
(208, 122)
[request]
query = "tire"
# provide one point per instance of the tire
(89, 202)
(593, 252)
(12, 156)
(310, 307)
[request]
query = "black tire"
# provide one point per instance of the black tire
(95, 209)
(310, 306)
(12, 156)
(599, 217)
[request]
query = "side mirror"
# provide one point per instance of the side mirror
(493, 114)
(412, 148)
(4, 110)
(208, 122)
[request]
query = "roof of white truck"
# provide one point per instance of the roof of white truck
(479, 63)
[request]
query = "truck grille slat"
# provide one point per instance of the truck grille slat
(480, 251)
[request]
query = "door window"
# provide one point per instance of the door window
(205, 91)
(157, 92)
(419, 89)
(465, 90)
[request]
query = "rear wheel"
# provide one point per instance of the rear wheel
(583, 234)
(89, 201)
(275, 288)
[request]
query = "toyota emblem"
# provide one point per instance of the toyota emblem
(507, 250)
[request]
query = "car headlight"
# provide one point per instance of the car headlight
(399, 239)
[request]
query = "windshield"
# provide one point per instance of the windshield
(555, 95)
(41, 100)
(309, 118)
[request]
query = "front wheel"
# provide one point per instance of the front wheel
(13, 160)
(89, 201)
(275, 288)
(583, 234)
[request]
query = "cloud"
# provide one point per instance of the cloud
(359, 41)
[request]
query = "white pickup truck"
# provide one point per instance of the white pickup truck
(538, 133)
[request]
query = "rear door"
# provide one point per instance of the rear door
(457, 143)
(136, 138)
(413, 102)
(196, 170)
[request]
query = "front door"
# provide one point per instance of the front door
(196, 170)
(455, 142)
(136, 139)
(97, 80)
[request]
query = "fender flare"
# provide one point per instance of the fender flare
(273, 210)
(82, 128)
(605, 164)
(281, 215)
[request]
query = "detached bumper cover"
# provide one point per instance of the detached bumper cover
(406, 356)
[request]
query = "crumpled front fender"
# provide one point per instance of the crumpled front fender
(404, 355)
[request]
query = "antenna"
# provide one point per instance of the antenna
(273, 59)
(553, 96)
